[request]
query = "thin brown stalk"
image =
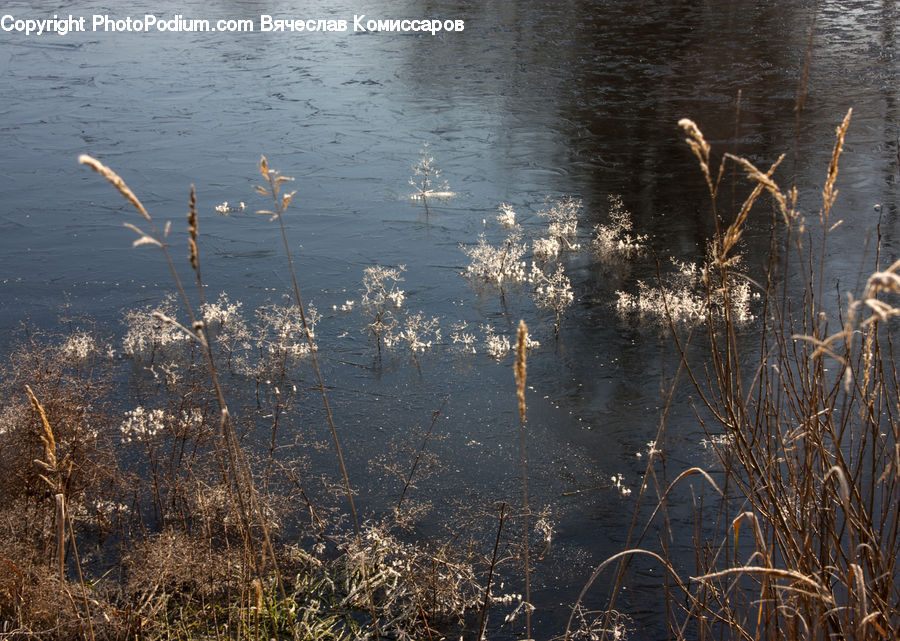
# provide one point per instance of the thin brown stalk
(490, 578)
(87, 607)
(274, 180)
(420, 452)
(60, 502)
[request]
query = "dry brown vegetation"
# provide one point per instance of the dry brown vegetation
(187, 523)
(806, 516)
(136, 505)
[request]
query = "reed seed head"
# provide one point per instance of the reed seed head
(115, 180)
(192, 228)
(700, 147)
(829, 193)
(47, 437)
(521, 355)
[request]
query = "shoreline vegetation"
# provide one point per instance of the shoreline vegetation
(137, 505)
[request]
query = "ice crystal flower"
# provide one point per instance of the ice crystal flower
(689, 293)
(381, 298)
(543, 528)
(397, 297)
(618, 482)
(224, 209)
(546, 248)
(459, 336)
(615, 238)
(142, 425)
(225, 322)
(380, 285)
(418, 332)
(507, 217)
(280, 331)
(223, 312)
(346, 307)
(500, 264)
(147, 333)
(80, 346)
(563, 217)
(717, 441)
(424, 179)
(553, 291)
(497, 347)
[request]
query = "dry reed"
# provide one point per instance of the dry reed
(274, 180)
(232, 458)
(809, 455)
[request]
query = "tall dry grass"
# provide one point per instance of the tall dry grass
(805, 540)
(249, 513)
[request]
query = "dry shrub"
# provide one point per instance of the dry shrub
(33, 597)
(176, 565)
(74, 394)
